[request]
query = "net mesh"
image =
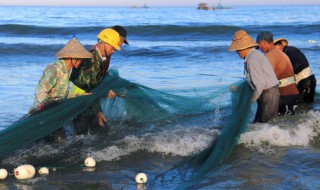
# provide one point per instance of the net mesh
(199, 165)
(139, 105)
(228, 139)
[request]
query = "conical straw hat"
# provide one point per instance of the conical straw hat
(241, 40)
(73, 49)
(283, 41)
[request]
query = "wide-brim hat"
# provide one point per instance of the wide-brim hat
(122, 32)
(283, 41)
(73, 49)
(241, 40)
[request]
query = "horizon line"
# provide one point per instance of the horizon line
(269, 5)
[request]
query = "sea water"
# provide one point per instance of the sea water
(179, 50)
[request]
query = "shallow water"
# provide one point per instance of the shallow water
(181, 51)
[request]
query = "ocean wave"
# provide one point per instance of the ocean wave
(298, 130)
(196, 32)
(137, 30)
(165, 49)
(28, 49)
(32, 30)
(48, 50)
(187, 32)
(176, 142)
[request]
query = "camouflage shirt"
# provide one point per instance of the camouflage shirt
(91, 72)
(53, 84)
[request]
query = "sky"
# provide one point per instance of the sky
(154, 2)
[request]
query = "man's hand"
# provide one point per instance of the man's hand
(111, 94)
(122, 94)
(101, 119)
(233, 88)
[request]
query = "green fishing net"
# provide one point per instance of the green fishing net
(137, 105)
(210, 158)
(237, 123)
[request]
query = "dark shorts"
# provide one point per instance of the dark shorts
(268, 104)
(288, 104)
(87, 123)
(84, 124)
(306, 89)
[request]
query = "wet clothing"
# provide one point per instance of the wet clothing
(307, 88)
(268, 105)
(52, 87)
(86, 77)
(263, 80)
(305, 79)
(53, 84)
(289, 93)
(87, 123)
(288, 104)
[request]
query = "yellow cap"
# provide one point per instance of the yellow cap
(111, 37)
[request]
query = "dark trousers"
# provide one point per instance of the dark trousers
(84, 125)
(56, 136)
(306, 89)
(268, 104)
(288, 104)
(87, 123)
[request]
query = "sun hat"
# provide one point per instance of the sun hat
(283, 41)
(73, 49)
(122, 32)
(241, 40)
(111, 37)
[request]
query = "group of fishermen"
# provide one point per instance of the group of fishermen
(281, 78)
(85, 69)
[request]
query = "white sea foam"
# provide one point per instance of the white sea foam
(298, 130)
(312, 41)
(179, 141)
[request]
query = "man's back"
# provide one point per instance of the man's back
(297, 58)
(283, 69)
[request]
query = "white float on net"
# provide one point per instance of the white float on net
(3, 173)
(43, 171)
(89, 162)
(24, 172)
(141, 178)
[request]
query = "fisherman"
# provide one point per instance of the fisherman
(260, 76)
(91, 73)
(54, 82)
(289, 94)
(304, 78)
